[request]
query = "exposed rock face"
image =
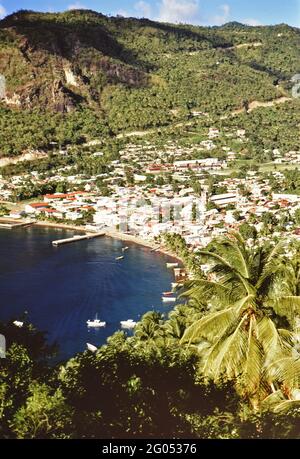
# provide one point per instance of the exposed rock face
(14, 100)
(70, 77)
(29, 156)
(57, 66)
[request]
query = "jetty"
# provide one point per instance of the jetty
(10, 224)
(77, 238)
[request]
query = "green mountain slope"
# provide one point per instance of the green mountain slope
(74, 75)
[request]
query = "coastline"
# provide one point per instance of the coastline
(139, 241)
(61, 226)
(116, 235)
(152, 245)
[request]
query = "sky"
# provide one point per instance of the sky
(200, 12)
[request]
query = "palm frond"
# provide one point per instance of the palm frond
(210, 327)
(287, 306)
(227, 356)
(285, 370)
(269, 337)
(253, 361)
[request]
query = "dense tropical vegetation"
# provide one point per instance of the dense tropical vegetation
(79, 75)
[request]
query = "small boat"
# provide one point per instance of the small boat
(168, 293)
(91, 347)
(19, 324)
(124, 248)
(128, 324)
(120, 258)
(96, 323)
(169, 299)
(174, 284)
(172, 265)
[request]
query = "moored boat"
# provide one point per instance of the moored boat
(91, 347)
(172, 265)
(96, 323)
(128, 324)
(120, 258)
(168, 299)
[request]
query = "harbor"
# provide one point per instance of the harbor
(66, 286)
(77, 238)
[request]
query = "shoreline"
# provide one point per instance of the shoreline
(114, 234)
(139, 241)
(61, 226)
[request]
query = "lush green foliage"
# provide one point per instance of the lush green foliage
(125, 74)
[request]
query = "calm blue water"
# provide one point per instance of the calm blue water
(63, 287)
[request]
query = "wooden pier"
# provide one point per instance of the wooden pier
(77, 238)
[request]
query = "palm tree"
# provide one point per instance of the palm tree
(178, 320)
(251, 303)
(150, 327)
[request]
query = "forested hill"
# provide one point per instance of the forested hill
(123, 73)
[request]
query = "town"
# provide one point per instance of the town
(149, 191)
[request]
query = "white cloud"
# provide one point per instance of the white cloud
(77, 6)
(143, 8)
(2, 12)
(178, 10)
(224, 15)
(251, 22)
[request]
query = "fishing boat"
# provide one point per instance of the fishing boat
(120, 258)
(124, 249)
(91, 347)
(128, 324)
(172, 265)
(96, 323)
(169, 299)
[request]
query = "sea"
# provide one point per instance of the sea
(58, 289)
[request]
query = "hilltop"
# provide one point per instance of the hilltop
(97, 75)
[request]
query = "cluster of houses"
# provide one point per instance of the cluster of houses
(147, 210)
(64, 206)
(289, 157)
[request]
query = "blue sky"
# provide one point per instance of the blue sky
(204, 12)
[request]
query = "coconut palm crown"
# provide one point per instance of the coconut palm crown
(248, 330)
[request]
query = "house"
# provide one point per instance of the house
(35, 207)
(223, 200)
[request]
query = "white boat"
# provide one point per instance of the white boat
(128, 324)
(120, 258)
(124, 248)
(19, 324)
(169, 299)
(172, 265)
(96, 323)
(91, 347)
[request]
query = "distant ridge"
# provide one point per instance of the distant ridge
(128, 73)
